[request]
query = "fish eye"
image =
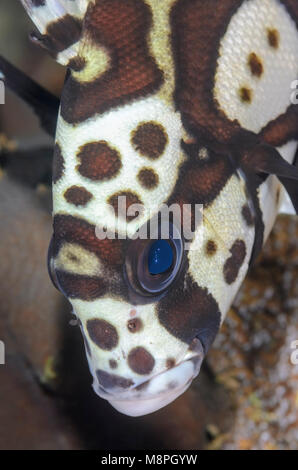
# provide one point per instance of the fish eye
(152, 265)
(160, 257)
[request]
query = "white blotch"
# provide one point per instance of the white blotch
(247, 33)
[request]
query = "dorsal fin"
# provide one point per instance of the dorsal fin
(59, 24)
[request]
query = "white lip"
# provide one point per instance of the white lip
(158, 392)
(141, 407)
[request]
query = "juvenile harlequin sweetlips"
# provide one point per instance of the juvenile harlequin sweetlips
(180, 102)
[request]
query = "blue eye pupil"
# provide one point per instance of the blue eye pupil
(160, 257)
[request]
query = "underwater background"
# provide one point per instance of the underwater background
(246, 396)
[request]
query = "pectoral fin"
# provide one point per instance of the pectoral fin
(266, 159)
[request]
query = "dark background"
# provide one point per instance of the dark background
(247, 394)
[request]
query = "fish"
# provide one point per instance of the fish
(189, 105)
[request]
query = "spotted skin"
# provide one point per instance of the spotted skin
(152, 111)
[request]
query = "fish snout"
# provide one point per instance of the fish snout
(138, 398)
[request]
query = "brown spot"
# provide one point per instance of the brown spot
(255, 64)
(58, 163)
(121, 206)
(148, 178)
(234, 263)
(245, 95)
(170, 363)
(108, 381)
(99, 161)
(150, 139)
(211, 248)
(72, 257)
(103, 334)
(141, 361)
(247, 215)
(273, 38)
(77, 195)
(135, 325)
(113, 364)
(77, 63)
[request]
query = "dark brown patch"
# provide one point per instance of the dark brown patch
(273, 38)
(283, 129)
(99, 161)
(247, 215)
(245, 95)
(234, 263)
(255, 64)
(131, 198)
(148, 178)
(69, 229)
(135, 325)
(108, 381)
(113, 364)
(77, 63)
(75, 286)
(133, 72)
(211, 248)
(103, 334)
(201, 181)
(203, 24)
(192, 312)
(77, 195)
(150, 139)
(141, 361)
(60, 34)
(170, 363)
(58, 163)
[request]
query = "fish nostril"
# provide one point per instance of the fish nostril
(170, 363)
(134, 325)
(109, 381)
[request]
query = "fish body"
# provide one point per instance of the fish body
(171, 102)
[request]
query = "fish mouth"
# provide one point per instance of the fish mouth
(160, 390)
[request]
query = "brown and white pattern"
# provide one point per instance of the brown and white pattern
(162, 104)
